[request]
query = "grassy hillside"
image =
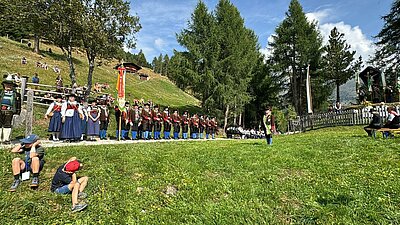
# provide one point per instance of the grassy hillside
(158, 88)
(331, 176)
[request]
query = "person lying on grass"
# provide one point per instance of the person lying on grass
(33, 162)
(65, 181)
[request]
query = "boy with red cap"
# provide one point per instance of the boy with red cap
(65, 181)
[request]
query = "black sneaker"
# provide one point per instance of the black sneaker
(14, 185)
(79, 207)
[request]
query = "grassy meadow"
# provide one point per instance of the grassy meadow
(158, 88)
(330, 176)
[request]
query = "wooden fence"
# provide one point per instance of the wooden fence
(348, 117)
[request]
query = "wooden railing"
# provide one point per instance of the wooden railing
(348, 117)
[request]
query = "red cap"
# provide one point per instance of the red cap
(72, 166)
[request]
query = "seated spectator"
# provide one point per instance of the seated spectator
(29, 44)
(45, 66)
(65, 181)
(50, 51)
(35, 79)
(330, 108)
(393, 120)
(24, 61)
(56, 69)
(375, 123)
(337, 107)
(34, 162)
(38, 64)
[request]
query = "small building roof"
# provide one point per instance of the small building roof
(130, 67)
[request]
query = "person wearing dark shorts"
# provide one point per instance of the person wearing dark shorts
(33, 163)
(65, 181)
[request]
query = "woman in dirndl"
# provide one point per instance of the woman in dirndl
(72, 115)
(54, 112)
(93, 124)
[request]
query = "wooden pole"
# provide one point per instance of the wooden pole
(29, 113)
(23, 87)
(120, 126)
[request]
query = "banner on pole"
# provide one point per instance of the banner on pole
(308, 87)
(121, 87)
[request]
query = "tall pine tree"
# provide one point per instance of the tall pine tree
(339, 62)
(297, 44)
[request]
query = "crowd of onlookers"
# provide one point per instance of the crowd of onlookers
(240, 132)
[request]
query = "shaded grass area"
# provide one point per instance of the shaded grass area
(330, 176)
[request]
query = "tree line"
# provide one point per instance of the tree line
(223, 67)
(99, 27)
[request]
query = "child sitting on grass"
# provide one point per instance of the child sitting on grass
(65, 181)
(34, 162)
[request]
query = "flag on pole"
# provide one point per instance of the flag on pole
(308, 87)
(121, 87)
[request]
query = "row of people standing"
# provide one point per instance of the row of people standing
(71, 121)
(147, 123)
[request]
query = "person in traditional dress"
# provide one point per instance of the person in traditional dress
(185, 124)
(214, 127)
(54, 113)
(194, 126)
(104, 119)
(176, 120)
(202, 126)
(72, 116)
(85, 119)
(140, 128)
(10, 105)
(157, 122)
(119, 122)
(167, 123)
(93, 127)
(125, 118)
(146, 121)
(268, 123)
(208, 127)
(134, 120)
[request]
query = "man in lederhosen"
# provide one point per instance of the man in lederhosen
(185, 124)
(125, 118)
(176, 119)
(167, 123)
(104, 119)
(202, 126)
(134, 120)
(146, 120)
(10, 106)
(157, 122)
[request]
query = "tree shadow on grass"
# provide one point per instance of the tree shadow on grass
(59, 57)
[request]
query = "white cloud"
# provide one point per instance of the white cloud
(159, 43)
(318, 16)
(267, 51)
(354, 36)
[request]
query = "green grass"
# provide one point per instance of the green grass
(331, 176)
(158, 88)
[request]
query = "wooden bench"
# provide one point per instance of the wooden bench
(382, 130)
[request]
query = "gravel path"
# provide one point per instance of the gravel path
(51, 144)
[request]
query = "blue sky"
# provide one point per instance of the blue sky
(360, 20)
